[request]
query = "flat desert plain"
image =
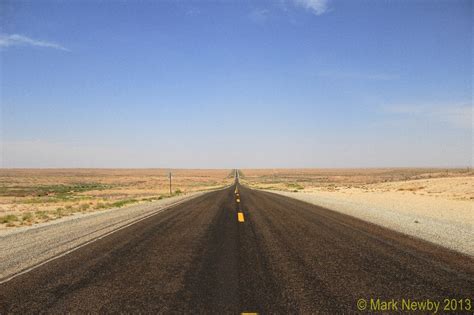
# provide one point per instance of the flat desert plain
(29, 196)
(413, 180)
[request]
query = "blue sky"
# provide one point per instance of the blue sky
(284, 83)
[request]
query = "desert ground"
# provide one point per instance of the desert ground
(29, 196)
(454, 184)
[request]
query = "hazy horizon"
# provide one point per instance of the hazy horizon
(223, 85)
(240, 169)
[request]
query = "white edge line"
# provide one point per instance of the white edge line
(102, 236)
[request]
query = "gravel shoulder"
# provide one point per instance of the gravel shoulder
(25, 247)
(448, 223)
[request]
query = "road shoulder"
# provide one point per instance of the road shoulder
(401, 216)
(24, 248)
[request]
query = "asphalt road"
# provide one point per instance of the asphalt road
(286, 257)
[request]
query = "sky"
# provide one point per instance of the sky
(236, 84)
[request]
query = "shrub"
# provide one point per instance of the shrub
(60, 212)
(27, 217)
(9, 218)
(294, 186)
(122, 203)
(42, 215)
(101, 205)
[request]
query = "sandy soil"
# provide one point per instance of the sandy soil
(333, 179)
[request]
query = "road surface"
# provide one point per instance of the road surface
(286, 256)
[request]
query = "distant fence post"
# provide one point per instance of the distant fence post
(170, 183)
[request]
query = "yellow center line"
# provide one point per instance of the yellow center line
(248, 313)
(238, 200)
(240, 217)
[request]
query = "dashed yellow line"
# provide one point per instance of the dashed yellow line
(240, 217)
(238, 200)
(248, 313)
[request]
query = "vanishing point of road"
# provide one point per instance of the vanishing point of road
(240, 250)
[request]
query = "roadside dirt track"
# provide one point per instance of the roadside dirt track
(287, 257)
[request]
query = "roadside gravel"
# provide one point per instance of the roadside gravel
(446, 223)
(25, 247)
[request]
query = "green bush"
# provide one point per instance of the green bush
(294, 186)
(8, 218)
(122, 203)
(42, 215)
(27, 217)
(60, 212)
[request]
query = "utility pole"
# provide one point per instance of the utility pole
(170, 182)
